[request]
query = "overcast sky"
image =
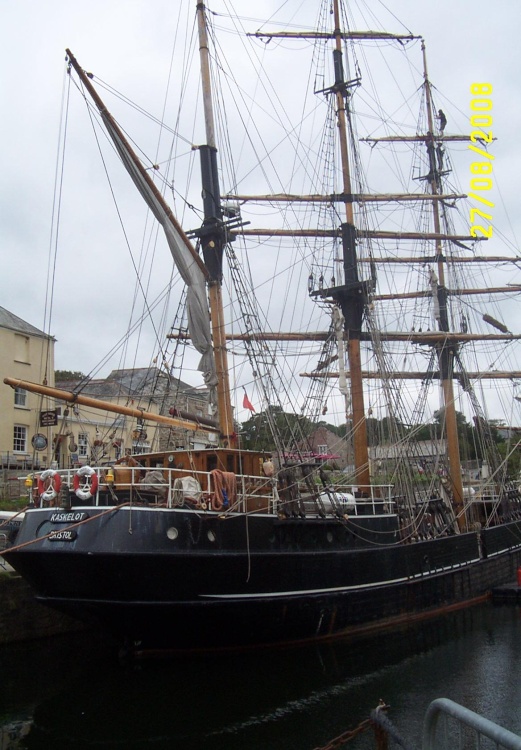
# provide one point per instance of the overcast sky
(129, 44)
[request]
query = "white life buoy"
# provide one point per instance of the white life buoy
(87, 488)
(49, 483)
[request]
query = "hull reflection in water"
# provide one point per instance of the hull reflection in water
(293, 700)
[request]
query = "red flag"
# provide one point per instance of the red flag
(246, 403)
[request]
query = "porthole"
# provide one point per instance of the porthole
(211, 535)
(172, 533)
(329, 537)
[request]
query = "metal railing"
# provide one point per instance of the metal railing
(254, 493)
(449, 725)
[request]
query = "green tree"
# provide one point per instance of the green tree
(465, 432)
(507, 451)
(423, 432)
(257, 432)
(60, 375)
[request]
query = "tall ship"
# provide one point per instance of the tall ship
(335, 275)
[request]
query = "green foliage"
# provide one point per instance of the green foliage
(423, 432)
(514, 458)
(256, 433)
(13, 504)
(60, 375)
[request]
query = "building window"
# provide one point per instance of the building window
(20, 438)
(321, 449)
(21, 348)
(83, 444)
(20, 397)
(140, 446)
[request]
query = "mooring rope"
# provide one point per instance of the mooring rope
(8, 520)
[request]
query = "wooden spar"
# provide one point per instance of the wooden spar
(337, 34)
(485, 375)
(447, 259)
(495, 323)
(106, 114)
(376, 234)
(427, 338)
(450, 292)
(204, 421)
(341, 198)
(75, 398)
(442, 337)
(420, 138)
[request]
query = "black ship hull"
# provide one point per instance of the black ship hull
(178, 579)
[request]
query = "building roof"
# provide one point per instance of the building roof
(102, 389)
(141, 382)
(14, 323)
(413, 450)
(147, 380)
(137, 380)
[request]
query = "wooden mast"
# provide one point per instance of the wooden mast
(351, 296)
(213, 237)
(445, 351)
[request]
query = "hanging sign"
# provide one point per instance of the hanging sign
(48, 418)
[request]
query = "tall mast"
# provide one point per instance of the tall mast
(213, 236)
(445, 351)
(351, 296)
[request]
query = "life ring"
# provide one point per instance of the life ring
(50, 491)
(87, 488)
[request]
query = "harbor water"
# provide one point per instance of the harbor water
(74, 692)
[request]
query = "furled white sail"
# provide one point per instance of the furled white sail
(186, 263)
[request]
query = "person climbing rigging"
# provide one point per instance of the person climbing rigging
(442, 119)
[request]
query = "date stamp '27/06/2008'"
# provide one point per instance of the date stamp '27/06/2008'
(481, 171)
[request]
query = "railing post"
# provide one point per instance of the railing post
(482, 727)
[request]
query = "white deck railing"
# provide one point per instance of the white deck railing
(449, 725)
(171, 487)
